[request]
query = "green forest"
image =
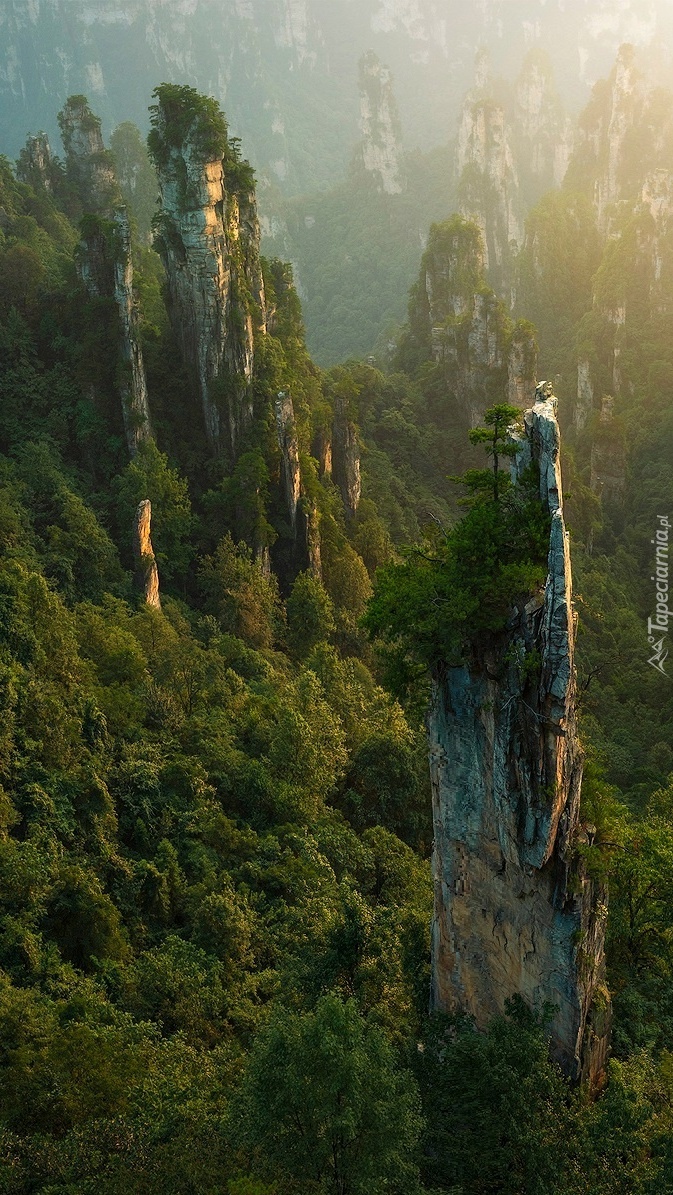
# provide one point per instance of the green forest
(215, 814)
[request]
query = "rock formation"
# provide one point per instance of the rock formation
(608, 456)
(132, 383)
(346, 459)
(513, 146)
(36, 165)
(104, 261)
(209, 243)
(289, 455)
(625, 131)
(89, 166)
(543, 134)
(585, 395)
(515, 911)
(489, 184)
(522, 367)
(380, 125)
(460, 323)
(147, 575)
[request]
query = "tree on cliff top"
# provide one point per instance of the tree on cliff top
(181, 113)
(432, 607)
(497, 438)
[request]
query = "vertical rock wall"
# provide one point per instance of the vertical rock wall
(463, 326)
(515, 911)
(104, 260)
(380, 125)
(147, 574)
(133, 384)
(346, 459)
(209, 243)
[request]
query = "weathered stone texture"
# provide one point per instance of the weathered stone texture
(515, 911)
(210, 249)
(147, 574)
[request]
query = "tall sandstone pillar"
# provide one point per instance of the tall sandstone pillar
(515, 911)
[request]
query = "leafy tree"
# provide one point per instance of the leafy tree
(496, 1107)
(149, 475)
(457, 587)
(310, 615)
(497, 440)
(325, 1104)
(240, 594)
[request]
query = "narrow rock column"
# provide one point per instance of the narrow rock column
(346, 459)
(208, 239)
(289, 454)
(515, 911)
(147, 574)
(133, 386)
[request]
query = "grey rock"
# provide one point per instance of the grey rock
(516, 912)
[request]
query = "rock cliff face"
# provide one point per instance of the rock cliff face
(104, 260)
(380, 125)
(133, 384)
(345, 459)
(464, 326)
(105, 266)
(36, 164)
(515, 911)
(489, 182)
(209, 244)
(88, 164)
(625, 132)
(270, 62)
(608, 456)
(544, 135)
(585, 395)
(289, 455)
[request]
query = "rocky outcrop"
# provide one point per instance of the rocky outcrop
(132, 383)
(625, 133)
(622, 115)
(467, 325)
(543, 134)
(585, 395)
(147, 574)
(36, 165)
(104, 265)
(208, 239)
(89, 166)
(488, 185)
(513, 146)
(515, 911)
(289, 455)
(103, 258)
(346, 459)
(461, 324)
(522, 367)
(608, 456)
(380, 125)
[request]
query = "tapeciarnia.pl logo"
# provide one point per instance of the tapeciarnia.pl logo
(657, 627)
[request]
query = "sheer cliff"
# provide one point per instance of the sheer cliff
(208, 238)
(515, 911)
(457, 321)
(87, 186)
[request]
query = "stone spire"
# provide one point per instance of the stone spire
(147, 574)
(516, 912)
(208, 238)
(380, 125)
